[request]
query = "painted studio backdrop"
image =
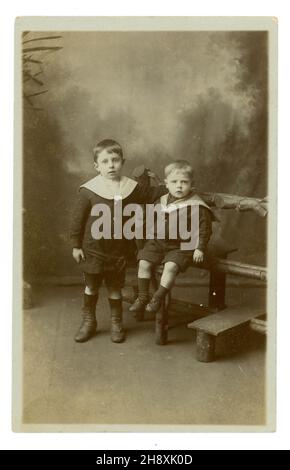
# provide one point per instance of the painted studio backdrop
(200, 96)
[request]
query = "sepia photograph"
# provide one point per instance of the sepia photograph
(145, 224)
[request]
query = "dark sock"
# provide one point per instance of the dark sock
(116, 307)
(90, 301)
(161, 292)
(143, 288)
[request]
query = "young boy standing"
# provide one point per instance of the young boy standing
(104, 259)
(167, 250)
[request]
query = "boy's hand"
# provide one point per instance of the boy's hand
(78, 255)
(198, 256)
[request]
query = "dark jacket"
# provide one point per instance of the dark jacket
(94, 192)
(206, 217)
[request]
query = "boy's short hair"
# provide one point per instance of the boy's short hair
(181, 165)
(110, 145)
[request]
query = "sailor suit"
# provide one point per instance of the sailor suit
(160, 251)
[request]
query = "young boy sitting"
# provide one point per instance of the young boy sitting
(104, 258)
(167, 250)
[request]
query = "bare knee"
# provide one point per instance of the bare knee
(114, 293)
(91, 290)
(171, 267)
(92, 283)
(144, 264)
(144, 267)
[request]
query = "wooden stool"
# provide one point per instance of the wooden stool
(212, 326)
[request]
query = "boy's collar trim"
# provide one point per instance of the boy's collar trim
(190, 200)
(101, 187)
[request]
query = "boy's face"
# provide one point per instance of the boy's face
(109, 164)
(178, 183)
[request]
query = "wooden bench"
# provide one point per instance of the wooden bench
(218, 268)
(212, 326)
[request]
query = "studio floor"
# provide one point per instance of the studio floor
(137, 382)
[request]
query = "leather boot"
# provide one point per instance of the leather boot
(154, 305)
(138, 305)
(117, 330)
(89, 324)
(138, 308)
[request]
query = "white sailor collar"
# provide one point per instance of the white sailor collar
(190, 200)
(101, 186)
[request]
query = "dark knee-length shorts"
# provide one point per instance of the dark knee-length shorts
(162, 251)
(103, 267)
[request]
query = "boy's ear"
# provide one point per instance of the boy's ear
(123, 161)
(95, 166)
(165, 181)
